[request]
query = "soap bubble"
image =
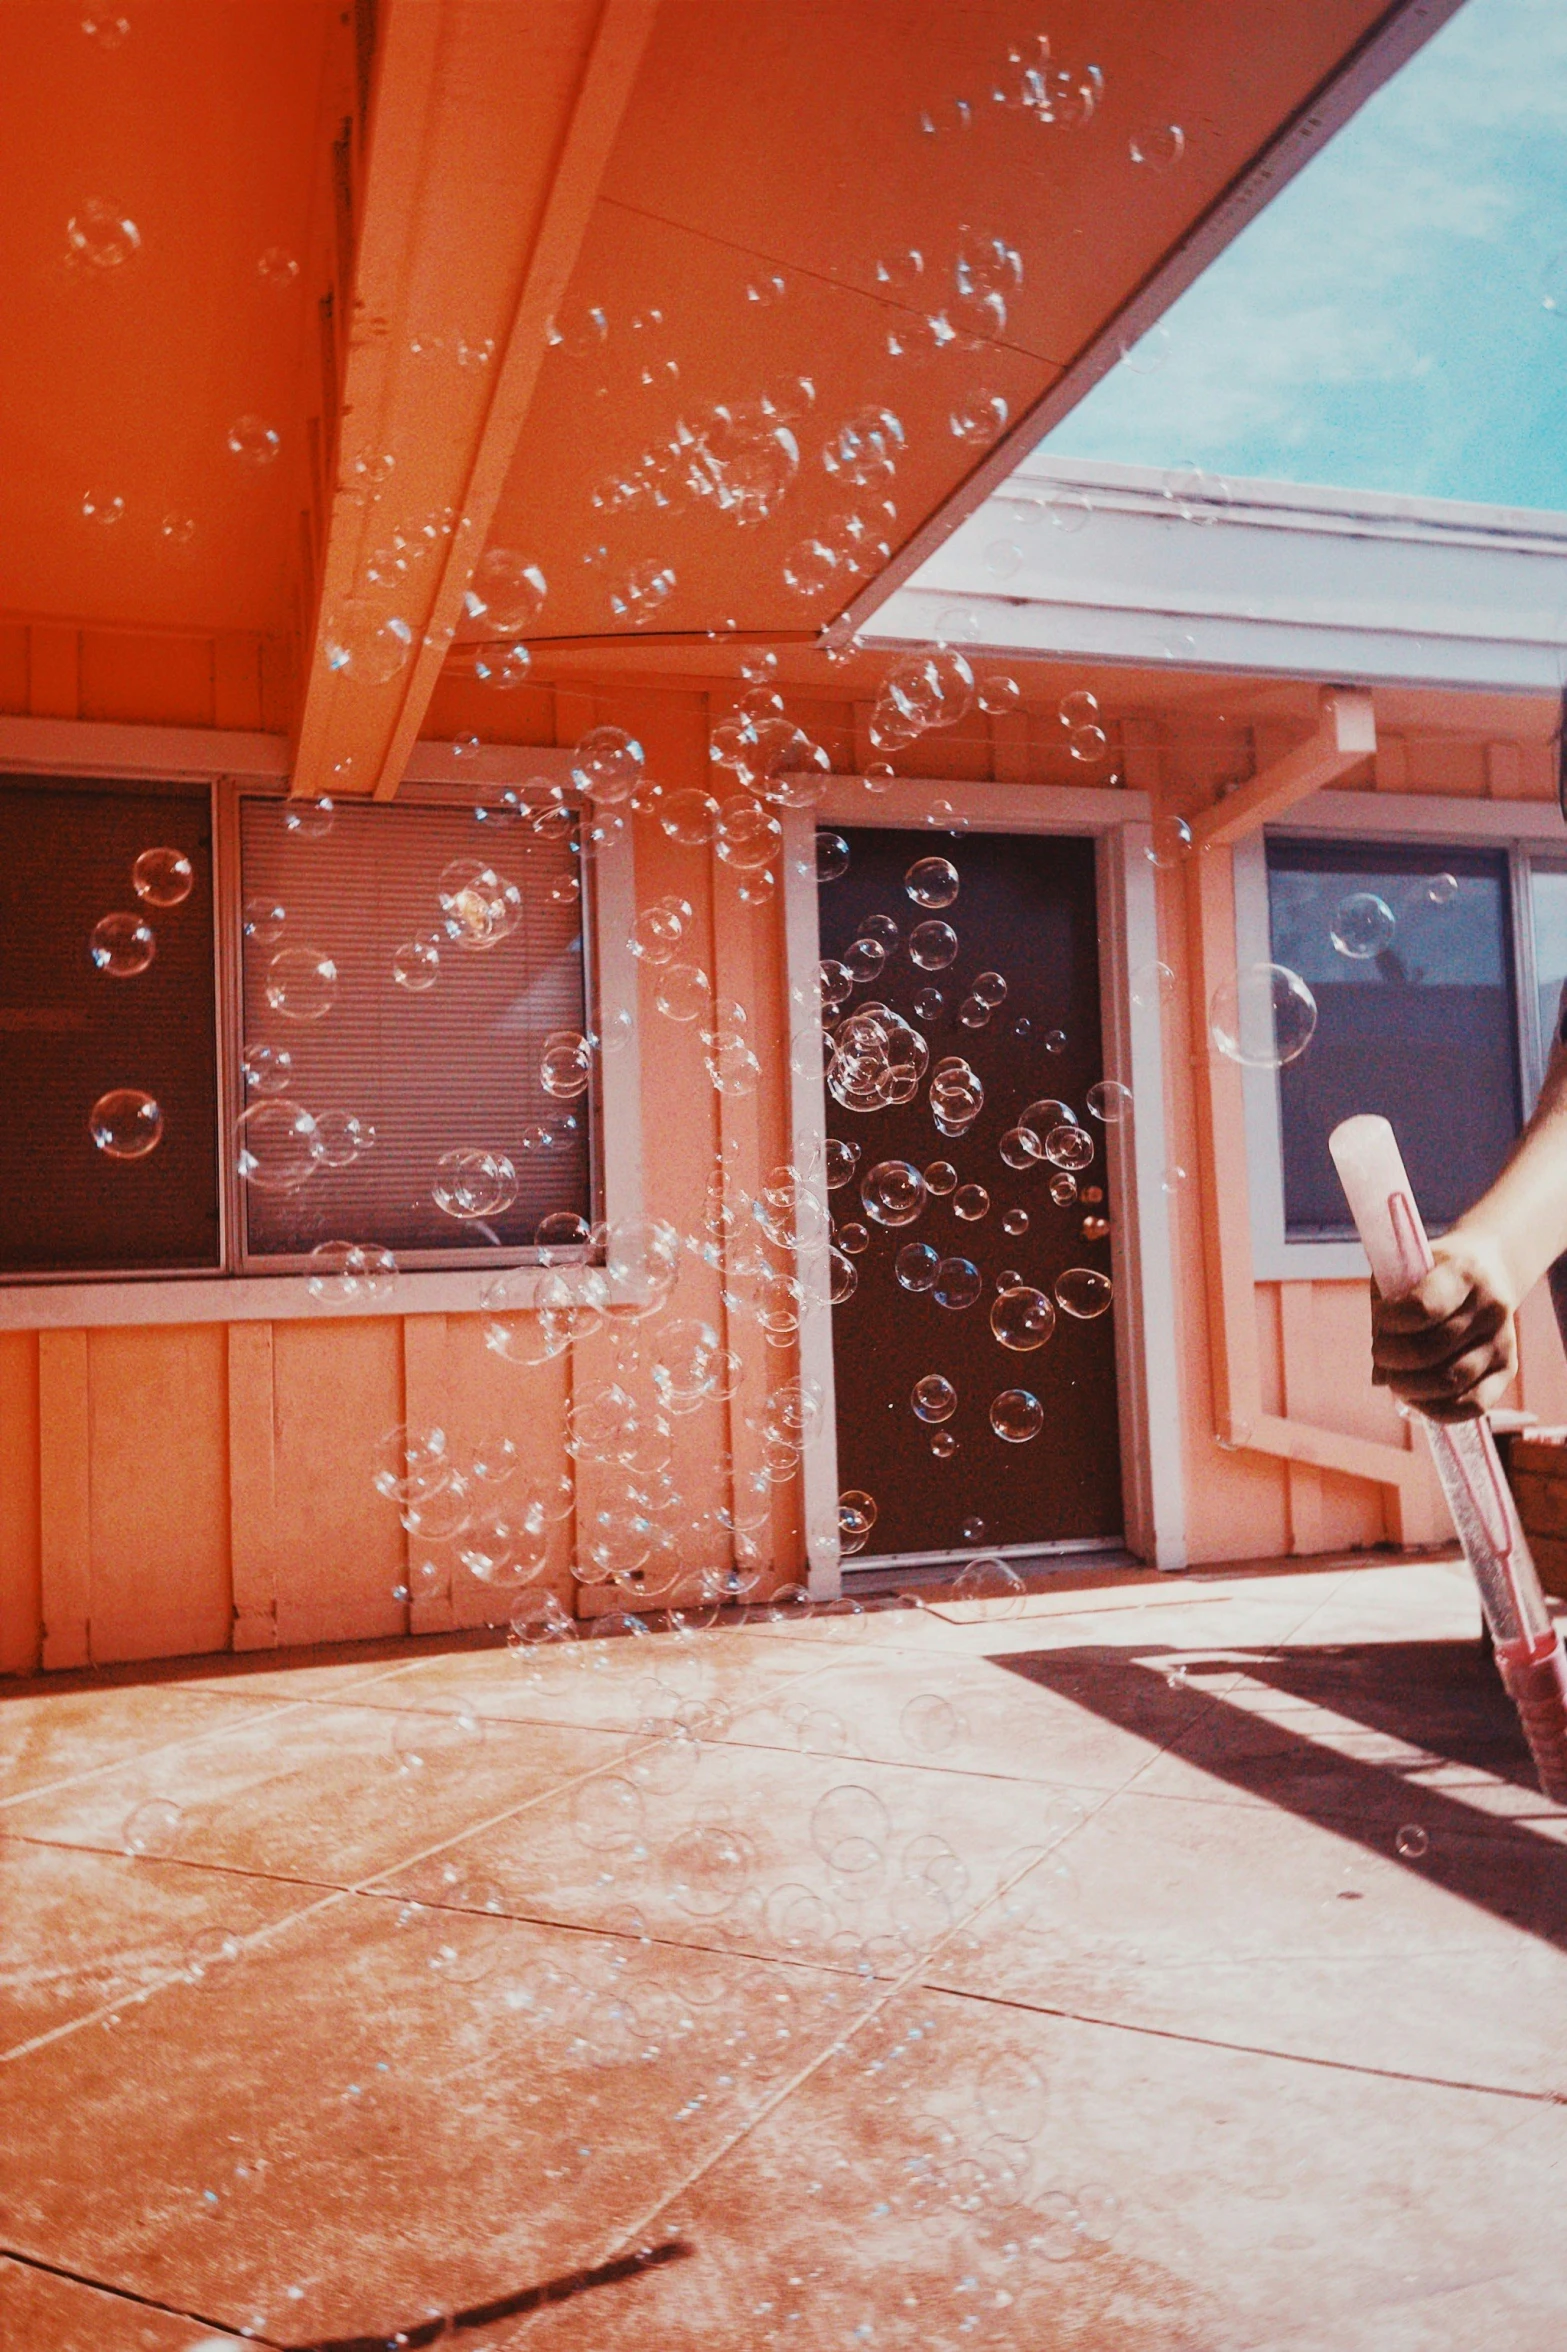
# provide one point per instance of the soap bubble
(684, 991)
(341, 1138)
(102, 233)
(941, 1178)
(279, 1145)
(362, 641)
(1020, 1147)
(1262, 1016)
(263, 920)
(1158, 147)
(162, 877)
(310, 820)
(971, 1202)
(832, 857)
(933, 946)
(1169, 840)
(932, 882)
(1362, 926)
(1095, 1228)
(929, 1003)
(268, 1069)
(1063, 1190)
(1442, 889)
(125, 1123)
(851, 1829)
(707, 1868)
(864, 958)
(506, 590)
(152, 1828)
(607, 765)
(1084, 1292)
(301, 983)
(566, 1066)
(689, 818)
(934, 1397)
(1109, 1101)
(1055, 1041)
(472, 1184)
(481, 907)
(1152, 984)
(1022, 1318)
(122, 946)
(1015, 1223)
(1412, 1842)
(253, 441)
(1016, 1415)
(416, 965)
(350, 1270)
(957, 1284)
(917, 1266)
(979, 416)
(656, 934)
(1069, 1146)
(856, 1516)
(974, 1013)
(841, 1160)
(893, 1192)
(989, 1579)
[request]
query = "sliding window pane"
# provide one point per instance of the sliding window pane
(1408, 953)
(139, 1026)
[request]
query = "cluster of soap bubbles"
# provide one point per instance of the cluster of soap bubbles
(876, 1060)
(126, 1122)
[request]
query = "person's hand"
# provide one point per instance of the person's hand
(1450, 1348)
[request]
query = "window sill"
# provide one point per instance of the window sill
(263, 1298)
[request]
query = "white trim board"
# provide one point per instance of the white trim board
(1261, 577)
(103, 749)
(1148, 1369)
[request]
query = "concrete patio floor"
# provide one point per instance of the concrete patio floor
(1176, 1963)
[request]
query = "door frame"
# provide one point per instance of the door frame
(1142, 1255)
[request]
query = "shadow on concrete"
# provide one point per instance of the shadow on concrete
(1440, 1703)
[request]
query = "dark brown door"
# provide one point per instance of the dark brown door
(1024, 910)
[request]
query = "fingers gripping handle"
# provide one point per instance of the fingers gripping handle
(1528, 1648)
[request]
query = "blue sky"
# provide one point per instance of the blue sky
(1384, 325)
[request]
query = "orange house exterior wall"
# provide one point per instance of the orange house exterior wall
(169, 1489)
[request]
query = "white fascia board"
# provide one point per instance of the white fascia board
(1260, 578)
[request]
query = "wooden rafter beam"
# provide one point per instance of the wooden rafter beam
(1345, 734)
(491, 126)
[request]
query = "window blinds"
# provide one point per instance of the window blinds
(453, 1066)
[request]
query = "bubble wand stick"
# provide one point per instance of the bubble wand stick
(1528, 1646)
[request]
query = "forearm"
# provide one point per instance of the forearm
(1524, 1213)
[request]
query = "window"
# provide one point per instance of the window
(1408, 953)
(280, 1043)
(1548, 910)
(132, 1035)
(448, 1063)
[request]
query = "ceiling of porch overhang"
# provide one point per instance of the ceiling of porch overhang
(777, 164)
(191, 146)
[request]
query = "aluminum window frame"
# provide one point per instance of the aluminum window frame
(1526, 831)
(92, 756)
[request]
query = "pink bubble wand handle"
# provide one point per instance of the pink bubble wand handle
(1528, 1646)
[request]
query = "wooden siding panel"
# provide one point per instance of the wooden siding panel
(159, 1492)
(20, 1589)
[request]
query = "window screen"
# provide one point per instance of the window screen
(1415, 1018)
(74, 1035)
(446, 1067)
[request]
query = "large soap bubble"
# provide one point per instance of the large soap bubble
(1262, 1016)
